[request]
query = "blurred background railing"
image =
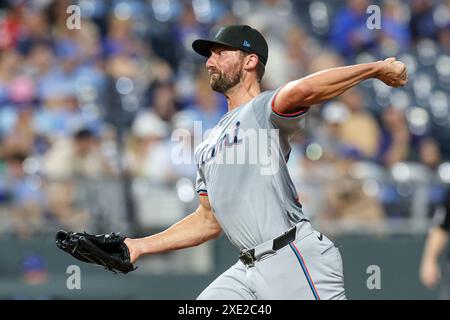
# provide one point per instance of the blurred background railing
(87, 116)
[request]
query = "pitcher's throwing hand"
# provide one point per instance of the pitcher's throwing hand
(393, 72)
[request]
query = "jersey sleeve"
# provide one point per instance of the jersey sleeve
(200, 185)
(288, 124)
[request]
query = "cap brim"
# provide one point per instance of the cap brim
(203, 46)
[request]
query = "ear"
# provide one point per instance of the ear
(250, 62)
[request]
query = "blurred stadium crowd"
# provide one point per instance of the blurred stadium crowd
(86, 115)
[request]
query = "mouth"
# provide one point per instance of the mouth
(213, 71)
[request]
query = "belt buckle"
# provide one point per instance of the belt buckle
(247, 258)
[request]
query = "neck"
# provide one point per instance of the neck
(241, 94)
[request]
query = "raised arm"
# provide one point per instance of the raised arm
(327, 84)
(193, 230)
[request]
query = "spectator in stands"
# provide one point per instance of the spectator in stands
(35, 29)
(185, 138)
(148, 153)
(164, 100)
(22, 136)
(267, 16)
(360, 131)
(324, 60)
(207, 106)
(429, 153)
(422, 23)
(78, 157)
(185, 30)
(395, 138)
(394, 34)
(300, 50)
(349, 33)
(11, 25)
(26, 197)
(444, 38)
(120, 39)
(350, 206)
(59, 112)
(67, 161)
(328, 132)
(10, 62)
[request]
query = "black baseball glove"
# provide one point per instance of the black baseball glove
(107, 250)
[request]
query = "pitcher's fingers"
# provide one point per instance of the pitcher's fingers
(403, 74)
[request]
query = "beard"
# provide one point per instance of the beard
(222, 82)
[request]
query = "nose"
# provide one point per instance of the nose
(210, 62)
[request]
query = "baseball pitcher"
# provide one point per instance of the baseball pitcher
(253, 200)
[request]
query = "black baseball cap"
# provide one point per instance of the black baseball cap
(240, 37)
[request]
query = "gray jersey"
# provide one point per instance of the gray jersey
(254, 200)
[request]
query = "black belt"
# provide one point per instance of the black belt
(248, 256)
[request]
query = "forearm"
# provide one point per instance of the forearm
(327, 84)
(192, 231)
(435, 244)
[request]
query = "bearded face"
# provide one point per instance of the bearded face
(225, 79)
